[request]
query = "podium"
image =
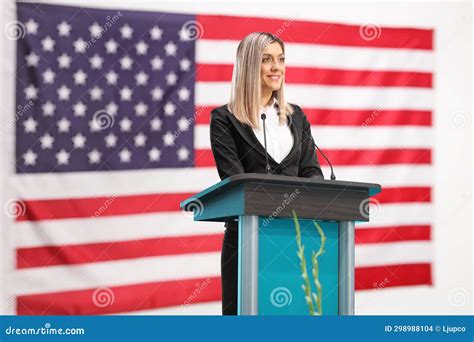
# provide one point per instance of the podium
(269, 273)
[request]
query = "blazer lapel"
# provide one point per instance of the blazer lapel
(249, 136)
(296, 141)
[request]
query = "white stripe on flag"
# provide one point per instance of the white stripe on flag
(406, 252)
(192, 180)
(386, 175)
(135, 227)
(326, 56)
(164, 268)
(111, 229)
(351, 137)
(78, 184)
(115, 273)
(217, 93)
(399, 214)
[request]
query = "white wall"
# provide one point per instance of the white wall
(7, 101)
(453, 196)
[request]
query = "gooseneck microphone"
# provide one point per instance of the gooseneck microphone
(268, 169)
(333, 176)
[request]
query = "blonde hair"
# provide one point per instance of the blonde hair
(246, 82)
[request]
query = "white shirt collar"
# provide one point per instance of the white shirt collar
(274, 104)
(272, 113)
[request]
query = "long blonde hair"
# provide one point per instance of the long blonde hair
(246, 83)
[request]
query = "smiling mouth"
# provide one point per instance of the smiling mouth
(274, 78)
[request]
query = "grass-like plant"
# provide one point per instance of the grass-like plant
(312, 299)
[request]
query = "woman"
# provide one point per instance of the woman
(237, 139)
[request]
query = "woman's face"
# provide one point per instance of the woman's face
(272, 68)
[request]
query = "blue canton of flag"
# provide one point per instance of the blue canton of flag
(104, 90)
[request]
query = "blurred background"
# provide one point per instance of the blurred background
(105, 129)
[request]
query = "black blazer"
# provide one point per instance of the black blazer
(237, 150)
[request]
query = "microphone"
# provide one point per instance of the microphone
(333, 176)
(267, 168)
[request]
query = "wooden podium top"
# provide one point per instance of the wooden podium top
(261, 194)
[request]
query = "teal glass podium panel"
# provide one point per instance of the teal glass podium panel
(269, 273)
(279, 286)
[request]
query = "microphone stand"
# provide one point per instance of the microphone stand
(267, 168)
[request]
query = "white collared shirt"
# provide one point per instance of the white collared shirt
(279, 137)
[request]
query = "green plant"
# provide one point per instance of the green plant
(312, 299)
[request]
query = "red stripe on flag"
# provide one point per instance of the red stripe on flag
(122, 298)
(324, 76)
(93, 207)
(150, 295)
(404, 194)
(368, 117)
(108, 251)
(367, 78)
(203, 114)
(392, 234)
(378, 277)
(347, 117)
(99, 252)
(213, 72)
(310, 32)
(377, 156)
(204, 157)
(53, 209)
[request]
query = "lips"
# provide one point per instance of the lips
(274, 77)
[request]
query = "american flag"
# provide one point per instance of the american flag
(112, 133)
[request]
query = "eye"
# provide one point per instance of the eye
(282, 59)
(266, 59)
